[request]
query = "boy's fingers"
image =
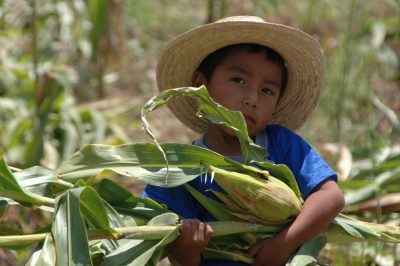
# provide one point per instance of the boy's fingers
(205, 231)
(208, 232)
(186, 229)
(200, 231)
(195, 230)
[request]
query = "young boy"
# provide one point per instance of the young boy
(272, 74)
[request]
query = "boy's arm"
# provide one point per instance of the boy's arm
(319, 209)
(193, 238)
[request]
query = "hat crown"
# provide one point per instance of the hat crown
(241, 18)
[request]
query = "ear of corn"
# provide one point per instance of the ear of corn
(267, 201)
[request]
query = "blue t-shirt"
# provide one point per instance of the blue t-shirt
(283, 146)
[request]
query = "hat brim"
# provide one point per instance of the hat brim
(302, 54)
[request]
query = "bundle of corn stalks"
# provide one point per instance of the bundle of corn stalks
(97, 222)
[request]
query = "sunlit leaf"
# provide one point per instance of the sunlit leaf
(164, 219)
(380, 182)
(10, 188)
(143, 161)
(214, 112)
(69, 230)
(93, 210)
(140, 252)
(308, 254)
(45, 256)
(115, 220)
(112, 192)
(128, 252)
(41, 181)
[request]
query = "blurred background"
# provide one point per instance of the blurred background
(75, 72)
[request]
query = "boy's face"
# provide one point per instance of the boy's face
(246, 82)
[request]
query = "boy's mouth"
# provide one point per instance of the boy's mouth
(249, 119)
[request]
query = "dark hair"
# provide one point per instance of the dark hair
(208, 65)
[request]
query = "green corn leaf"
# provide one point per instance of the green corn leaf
(142, 161)
(145, 256)
(212, 111)
(69, 230)
(352, 184)
(164, 219)
(380, 182)
(376, 169)
(141, 215)
(116, 195)
(41, 181)
(116, 220)
(345, 229)
(233, 255)
(231, 241)
(137, 252)
(308, 254)
(125, 204)
(145, 162)
(128, 252)
(93, 210)
(217, 209)
(348, 228)
(10, 188)
(112, 192)
(45, 256)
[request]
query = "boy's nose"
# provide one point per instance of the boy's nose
(250, 98)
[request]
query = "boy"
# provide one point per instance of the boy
(272, 74)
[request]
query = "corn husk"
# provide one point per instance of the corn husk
(261, 200)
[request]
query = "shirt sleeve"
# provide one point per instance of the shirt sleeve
(177, 199)
(308, 167)
(180, 201)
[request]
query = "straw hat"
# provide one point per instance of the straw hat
(302, 55)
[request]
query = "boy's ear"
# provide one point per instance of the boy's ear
(198, 79)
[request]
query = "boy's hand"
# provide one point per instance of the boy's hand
(270, 251)
(194, 237)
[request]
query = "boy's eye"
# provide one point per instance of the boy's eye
(238, 80)
(267, 91)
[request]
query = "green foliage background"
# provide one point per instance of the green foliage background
(75, 72)
(63, 56)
